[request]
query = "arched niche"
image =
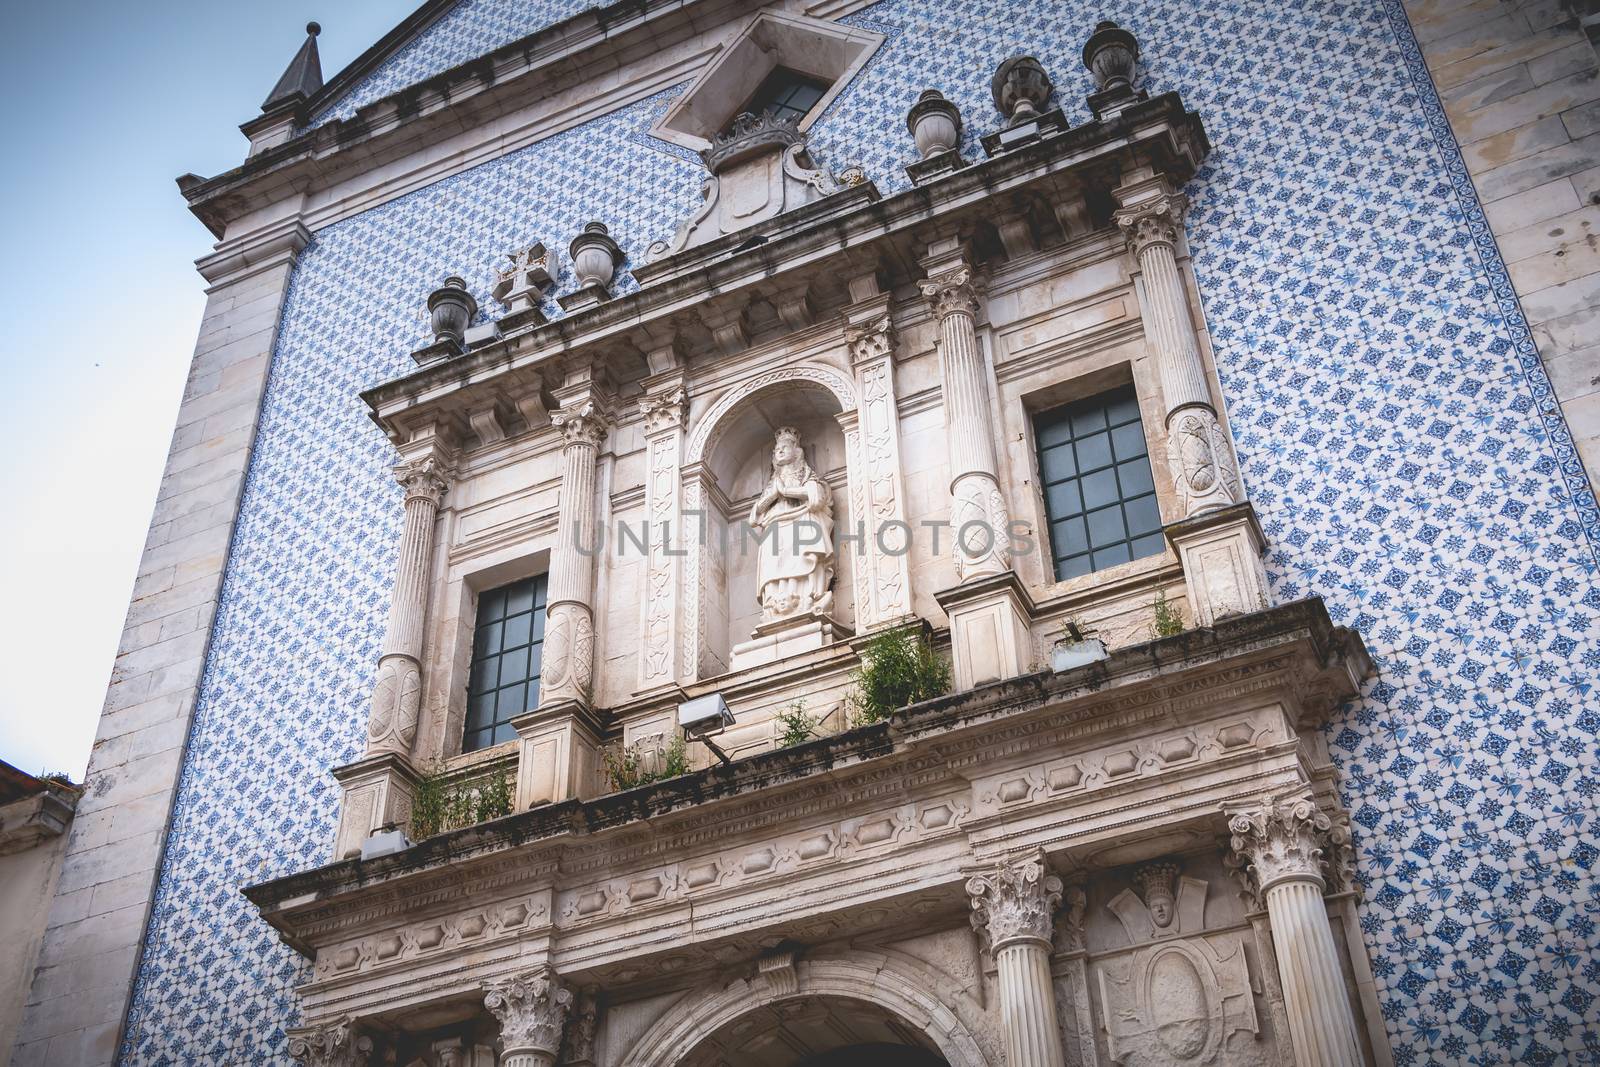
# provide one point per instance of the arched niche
(894, 1002)
(726, 465)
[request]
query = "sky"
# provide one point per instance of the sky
(107, 103)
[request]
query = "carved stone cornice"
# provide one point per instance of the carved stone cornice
(664, 411)
(1157, 221)
(584, 424)
(426, 478)
(871, 340)
(1015, 902)
(1281, 841)
(532, 1010)
(953, 292)
(337, 1044)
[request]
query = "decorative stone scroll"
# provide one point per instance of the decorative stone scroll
(1280, 841)
(1016, 901)
(337, 1044)
(532, 1010)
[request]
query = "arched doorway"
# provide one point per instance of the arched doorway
(817, 1031)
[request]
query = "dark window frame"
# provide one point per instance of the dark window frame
(507, 660)
(1097, 484)
(780, 92)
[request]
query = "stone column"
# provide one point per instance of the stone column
(976, 504)
(1218, 541)
(877, 493)
(392, 725)
(336, 1044)
(532, 1011)
(560, 740)
(380, 787)
(569, 634)
(1278, 849)
(1013, 909)
(665, 407)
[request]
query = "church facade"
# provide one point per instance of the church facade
(815, 533)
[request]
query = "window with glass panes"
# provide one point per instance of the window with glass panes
(1098, 490)
(506, 653)
(786, 93)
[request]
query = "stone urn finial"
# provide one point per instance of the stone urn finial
(1110, 54)
(595, 256)
(1021, 88)
(935, 124)
(452, 308)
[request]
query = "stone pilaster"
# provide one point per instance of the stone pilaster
(1219, 544)
(532, 1010)
(337, 1044)
(878, 497)
(1013, 909)
(978, 516)
(665, 408)
(1279, 850)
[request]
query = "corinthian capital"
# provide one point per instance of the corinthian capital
(1281, 841)
(664, 411)
(424, 479)
(532, 1010)
(1015, 902)
(1158, 220)
(871, 340)
(952, 293)
(583, 423)
(334, 1045)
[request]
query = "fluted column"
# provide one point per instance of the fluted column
(569, 629)
(397, 695)
(1279, 849)
(1012, 909)
(337, 1044)
(978, 517)
(532, 1010)
(1201, 460)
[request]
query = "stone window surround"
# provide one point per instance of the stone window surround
(825, 50)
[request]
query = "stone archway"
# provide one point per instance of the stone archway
(866, 999)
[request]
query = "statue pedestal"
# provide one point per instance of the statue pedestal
(782, 638)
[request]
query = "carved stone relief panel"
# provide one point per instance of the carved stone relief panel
(1174, 972)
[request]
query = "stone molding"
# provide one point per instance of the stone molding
(1015, 902)
(532, 1010)
(337, 1044)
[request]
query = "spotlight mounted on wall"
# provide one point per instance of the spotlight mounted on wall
(703, 718)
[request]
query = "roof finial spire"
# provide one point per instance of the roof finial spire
(303, 78)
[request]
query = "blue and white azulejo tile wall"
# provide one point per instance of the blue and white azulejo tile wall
(1397, 434)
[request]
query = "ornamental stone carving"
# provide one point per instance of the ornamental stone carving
(583, 424)
(532, 1010)
(396, 703)
(424, 479)
(582, 1027)
(1015, 902)
(870, 341)
(664, 411)
(952, 293)
(1202, 462)
(334, 1045)
(793, 521)
(1281, 841)
(1154, 222)
(522, 285)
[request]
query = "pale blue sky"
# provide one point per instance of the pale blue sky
(107, 103)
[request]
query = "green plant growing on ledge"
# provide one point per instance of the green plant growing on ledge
(797, 727)
(442, 805)
(898, 667)
(628, 767)
(1169, 618)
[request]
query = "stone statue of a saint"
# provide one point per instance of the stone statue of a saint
(793, 523)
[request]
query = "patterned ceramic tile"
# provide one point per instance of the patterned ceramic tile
(1397, 432)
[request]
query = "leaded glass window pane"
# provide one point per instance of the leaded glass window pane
(507, 647)
(1098, 490)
